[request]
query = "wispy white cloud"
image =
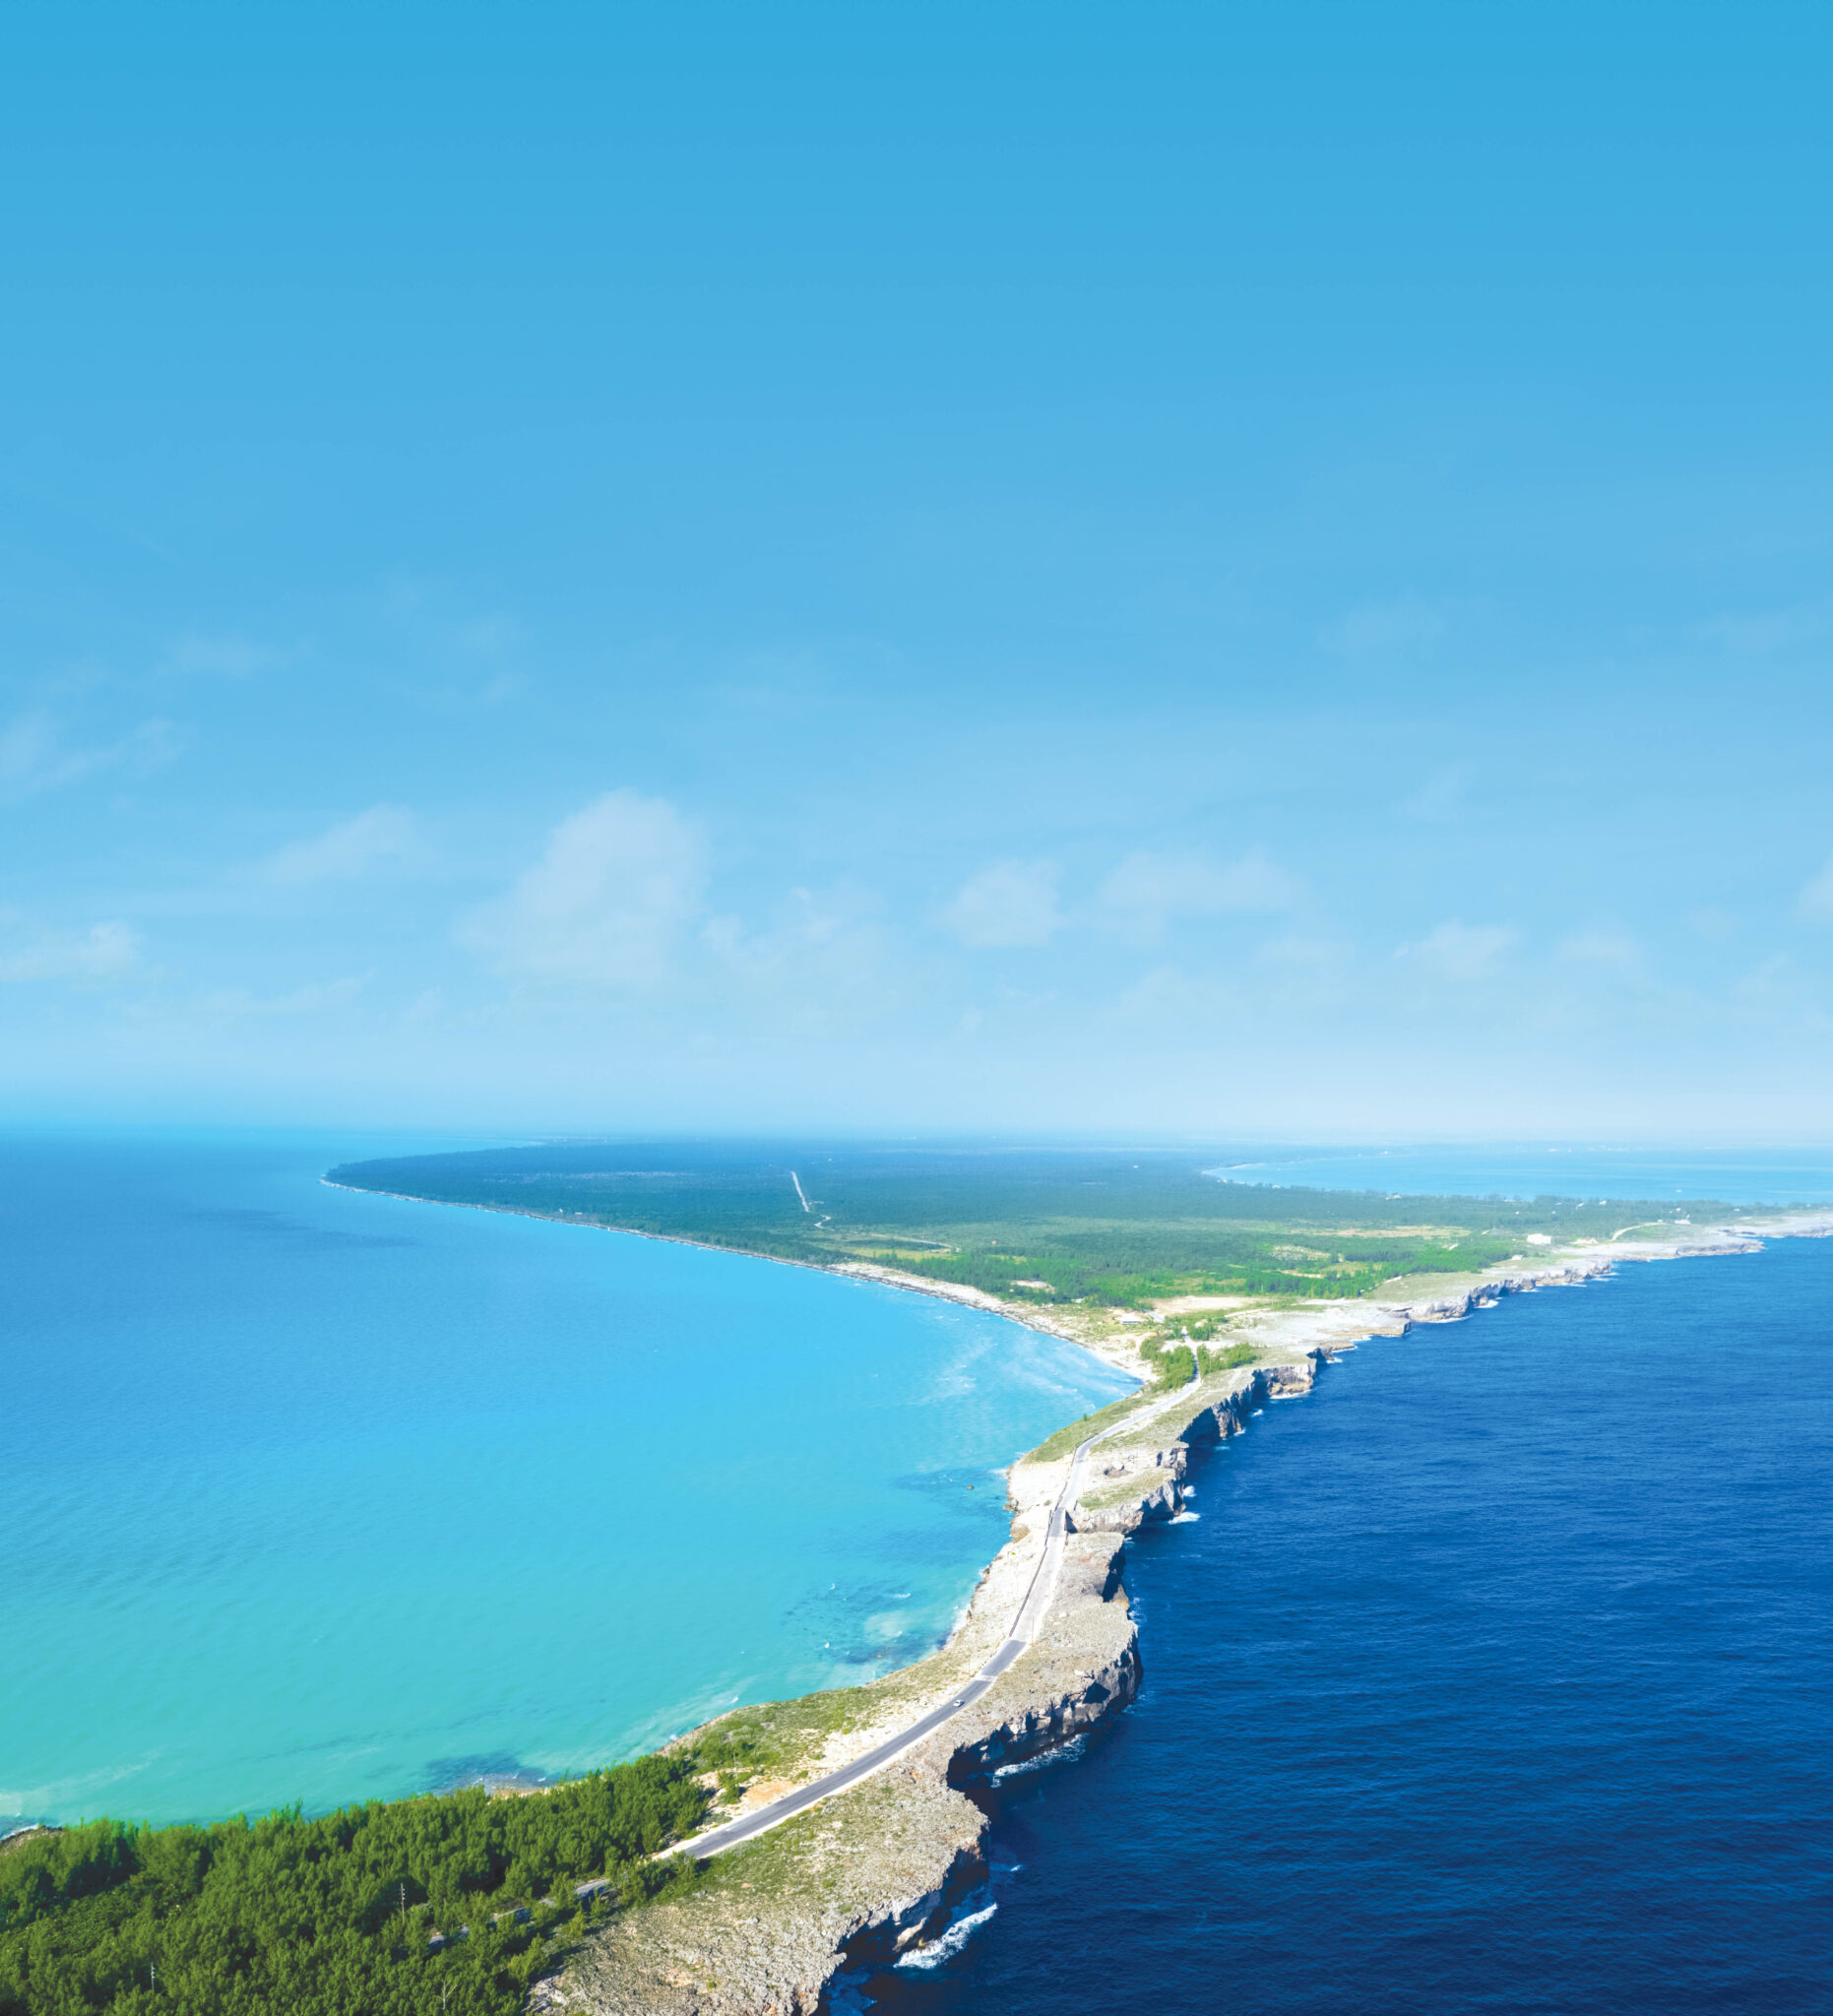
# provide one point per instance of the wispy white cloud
(35, 756)
(437, 613)
(1006, 903)
(224, 653)
(1780, 993)
(823, 962)
(1148, 892)
(1442, 797)
(1457, 951)
(350, 847)
(1167, 993)
(488, 636)
(316, 998)
(1293, 971)
(608, 903)
(1602, 952)
(1375, 629)
(1815, 901)
(106, 951)
(1756, 633)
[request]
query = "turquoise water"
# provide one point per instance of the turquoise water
(314, 1496)
(1773, 1175)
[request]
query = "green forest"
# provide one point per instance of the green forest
(1044, 1226)
(443, 1905)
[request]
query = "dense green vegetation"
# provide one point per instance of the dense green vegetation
(1175, 1362)
(1121, 1228)
(338, 1916)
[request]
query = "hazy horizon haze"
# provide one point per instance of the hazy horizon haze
(1233, 573)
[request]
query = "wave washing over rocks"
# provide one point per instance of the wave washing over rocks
(895, 1871)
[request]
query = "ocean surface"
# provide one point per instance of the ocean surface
(1496, 1675)
(321, 1496)
(1536, 1169)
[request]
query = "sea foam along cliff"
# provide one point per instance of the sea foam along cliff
(797, 1921)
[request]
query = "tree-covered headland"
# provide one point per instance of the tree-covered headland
(444, 1906)
(1122, 1228)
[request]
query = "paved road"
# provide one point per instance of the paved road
(1025, 1628)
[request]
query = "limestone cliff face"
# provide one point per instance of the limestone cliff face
(863, 1877)
(850, 1883)
(1158, 1501)
(1088, 1666)
(1138, 1480)
(785, 1922)
(1454, 1307)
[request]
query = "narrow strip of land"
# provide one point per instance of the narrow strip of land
(1025, 1628)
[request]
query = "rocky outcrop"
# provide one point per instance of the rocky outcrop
(1140, 1479)
(1486, 1293)
(853, 1883)
(849, 1884)
(1161, 1501)
(1093, 1653)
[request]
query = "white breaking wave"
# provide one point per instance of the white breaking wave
(950, 1941)
(1063, 1753)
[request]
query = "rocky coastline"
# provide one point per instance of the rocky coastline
(797, 1921)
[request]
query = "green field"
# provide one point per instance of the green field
(1041, 1225)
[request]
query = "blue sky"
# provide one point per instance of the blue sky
(1235, 570)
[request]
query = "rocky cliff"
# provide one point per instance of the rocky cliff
(792, 1922)
(860, 1879)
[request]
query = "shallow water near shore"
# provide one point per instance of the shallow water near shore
(318, 1496)
(1493, 1676)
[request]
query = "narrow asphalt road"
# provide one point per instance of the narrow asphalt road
(1025, 1628)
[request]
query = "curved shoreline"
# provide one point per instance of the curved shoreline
(883, 1869)
(873, 1849)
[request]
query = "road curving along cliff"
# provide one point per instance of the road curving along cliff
(797, 1918)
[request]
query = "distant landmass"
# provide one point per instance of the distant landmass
(1037, 1226)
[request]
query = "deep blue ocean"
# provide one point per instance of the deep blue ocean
(321, 1496)
(1495, 1674)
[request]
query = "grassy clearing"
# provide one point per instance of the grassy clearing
(788, 1738)
(1067, 1439)
(812, 1856)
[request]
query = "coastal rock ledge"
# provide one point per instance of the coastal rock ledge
(865, 1877)
(794, 1921)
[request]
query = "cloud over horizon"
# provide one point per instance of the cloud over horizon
(1006, 903)
(106, 951)
(885, 629)
(1815, 901)
(350, 848)
(608, 903)
(1151, 890)
(1456, 951)
(37, 756)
